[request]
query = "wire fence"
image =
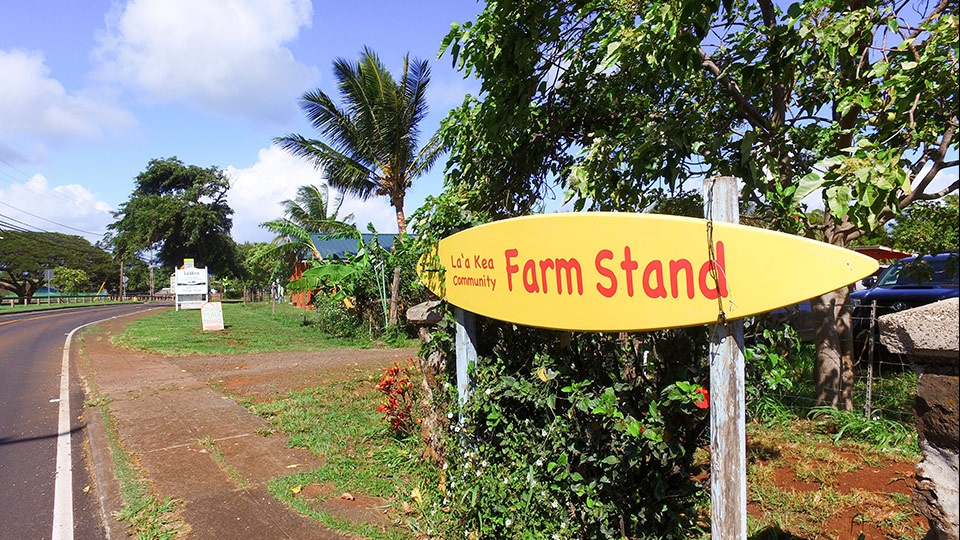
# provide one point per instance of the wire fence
(884, 384)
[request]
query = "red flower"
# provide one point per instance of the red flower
(704, 401)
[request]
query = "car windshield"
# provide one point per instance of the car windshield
(922, 273)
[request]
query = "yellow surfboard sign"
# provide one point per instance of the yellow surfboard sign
(602, 271)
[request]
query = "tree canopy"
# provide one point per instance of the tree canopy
(181, 212)
(621, 103)
(24, 256)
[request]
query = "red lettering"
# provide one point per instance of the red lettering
(605, 254)
(569, 266)
(628, 265)
(675, 268)
(658, 290)
(530, 276)
(544, 265)
(511, 268)
(721, 281)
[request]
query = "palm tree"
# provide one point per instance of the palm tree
(304, 216)
(310, 209)
(371, 146)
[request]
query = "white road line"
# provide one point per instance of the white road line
(63, 486)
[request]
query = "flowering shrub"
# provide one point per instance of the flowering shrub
(398, 399)
(591, 439)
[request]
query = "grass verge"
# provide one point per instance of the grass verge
(146, 515)
(247, 329)
(338, 422)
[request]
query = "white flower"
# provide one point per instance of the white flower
(539, 463)
(450, 415)
(488, 391)
(554, 504)
(508, 522)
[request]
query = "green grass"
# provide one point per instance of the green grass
(5, 306)
(211, 446)
(338, 422)
(247, 329)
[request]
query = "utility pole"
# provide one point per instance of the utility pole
(151, 272)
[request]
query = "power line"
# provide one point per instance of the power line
(13, 181)
(47, 238)
(51, 221)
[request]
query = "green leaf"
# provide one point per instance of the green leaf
(807, 185)
(611, 58)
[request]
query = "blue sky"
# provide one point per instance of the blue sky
(94, 89)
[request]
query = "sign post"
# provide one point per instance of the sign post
(48, 275)
(728, 453)
(466, 350)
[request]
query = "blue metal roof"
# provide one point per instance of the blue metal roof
(344, 247)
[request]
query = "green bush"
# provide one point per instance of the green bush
(578, 436)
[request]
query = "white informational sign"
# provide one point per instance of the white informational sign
(211, 314)
(190, 287)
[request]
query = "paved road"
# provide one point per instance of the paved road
(43, 494)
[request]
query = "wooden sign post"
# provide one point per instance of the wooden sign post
(728, 453)
(466, 343)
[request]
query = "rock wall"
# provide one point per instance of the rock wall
(929, 337)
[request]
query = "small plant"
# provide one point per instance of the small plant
(879, 433)
(398, 399)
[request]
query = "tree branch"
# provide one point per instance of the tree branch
(752, 114)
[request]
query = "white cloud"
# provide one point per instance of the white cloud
(35, 108)
(69, 209)
(256, 193)
(225, 56)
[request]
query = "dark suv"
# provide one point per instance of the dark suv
(907, 283)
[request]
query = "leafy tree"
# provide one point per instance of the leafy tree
(258, 270)
(928, 227)
(138, 275)
(621, 103)
(70, 280)
(371, 142)
(180, 212)
(24, 256)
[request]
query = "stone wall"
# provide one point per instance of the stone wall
(929, 337)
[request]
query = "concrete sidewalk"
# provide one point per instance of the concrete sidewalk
(162, 414)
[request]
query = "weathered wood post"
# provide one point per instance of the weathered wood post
(466, 350)
(728, 463)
